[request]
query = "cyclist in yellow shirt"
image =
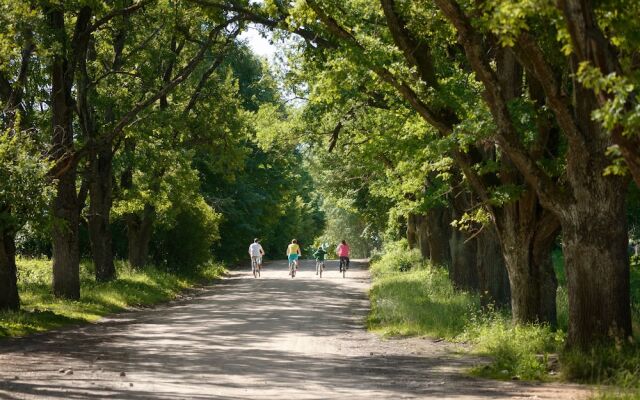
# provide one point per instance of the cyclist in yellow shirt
(293, 253)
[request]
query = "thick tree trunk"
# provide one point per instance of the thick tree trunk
(9, 298)
(594, 234)
(532, 279)
(527, 234)
(65, 242)
(494, 280)
(100, 191)
(139, 230)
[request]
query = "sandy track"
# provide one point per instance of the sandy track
(246, 338)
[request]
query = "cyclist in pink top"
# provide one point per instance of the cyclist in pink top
(343, 252)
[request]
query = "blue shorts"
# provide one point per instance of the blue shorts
(293, 257)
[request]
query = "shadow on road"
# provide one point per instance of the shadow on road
(242, 338)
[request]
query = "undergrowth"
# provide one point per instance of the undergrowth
(41, 311)
(410, 297)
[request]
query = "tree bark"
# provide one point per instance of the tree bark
(100, 192)
(411, 231)
(494, 280)
(463, 271)
(9, 298)
(422, 236)
(527, 234)
(65, 241)
(437, 221)
(595, 239)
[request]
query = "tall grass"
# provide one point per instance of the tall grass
(42, 311)
(409, 297)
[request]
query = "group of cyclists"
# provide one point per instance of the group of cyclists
(256, 252)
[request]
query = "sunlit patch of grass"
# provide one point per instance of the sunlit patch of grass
(41, 311)
(517, 351)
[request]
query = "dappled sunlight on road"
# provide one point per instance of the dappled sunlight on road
(272, 337)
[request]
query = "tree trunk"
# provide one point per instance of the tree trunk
(422, 236)
(139, 230)
(100, 191)
(594, 234)
(463, 270)
(527, 234)
(411, 231)
(65, 241)
(494, 280)
(9, 298)
(437, 221)
(543, 262)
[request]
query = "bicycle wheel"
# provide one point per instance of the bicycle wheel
(253, 268)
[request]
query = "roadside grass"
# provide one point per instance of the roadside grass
(410, 297)
(41, 311)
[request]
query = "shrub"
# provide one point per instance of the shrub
(187, 243)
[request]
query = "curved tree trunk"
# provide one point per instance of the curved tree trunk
(9, 298)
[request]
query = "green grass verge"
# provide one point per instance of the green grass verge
(409, 297)
(41, 311)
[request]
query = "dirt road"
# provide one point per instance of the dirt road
(245, 338)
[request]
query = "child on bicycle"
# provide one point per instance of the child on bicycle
(293, 253)
(319, 256)
(343, 252)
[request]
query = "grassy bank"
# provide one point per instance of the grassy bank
(409, 297)
(41, 311)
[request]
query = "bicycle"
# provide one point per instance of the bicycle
(343, 267)
(293, 267)
(255, 266)
(319, 267)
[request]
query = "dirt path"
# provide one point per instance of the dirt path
(268, 338)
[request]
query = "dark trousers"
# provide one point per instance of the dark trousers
(345, 260)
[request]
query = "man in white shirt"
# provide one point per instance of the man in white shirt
(256, 252)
